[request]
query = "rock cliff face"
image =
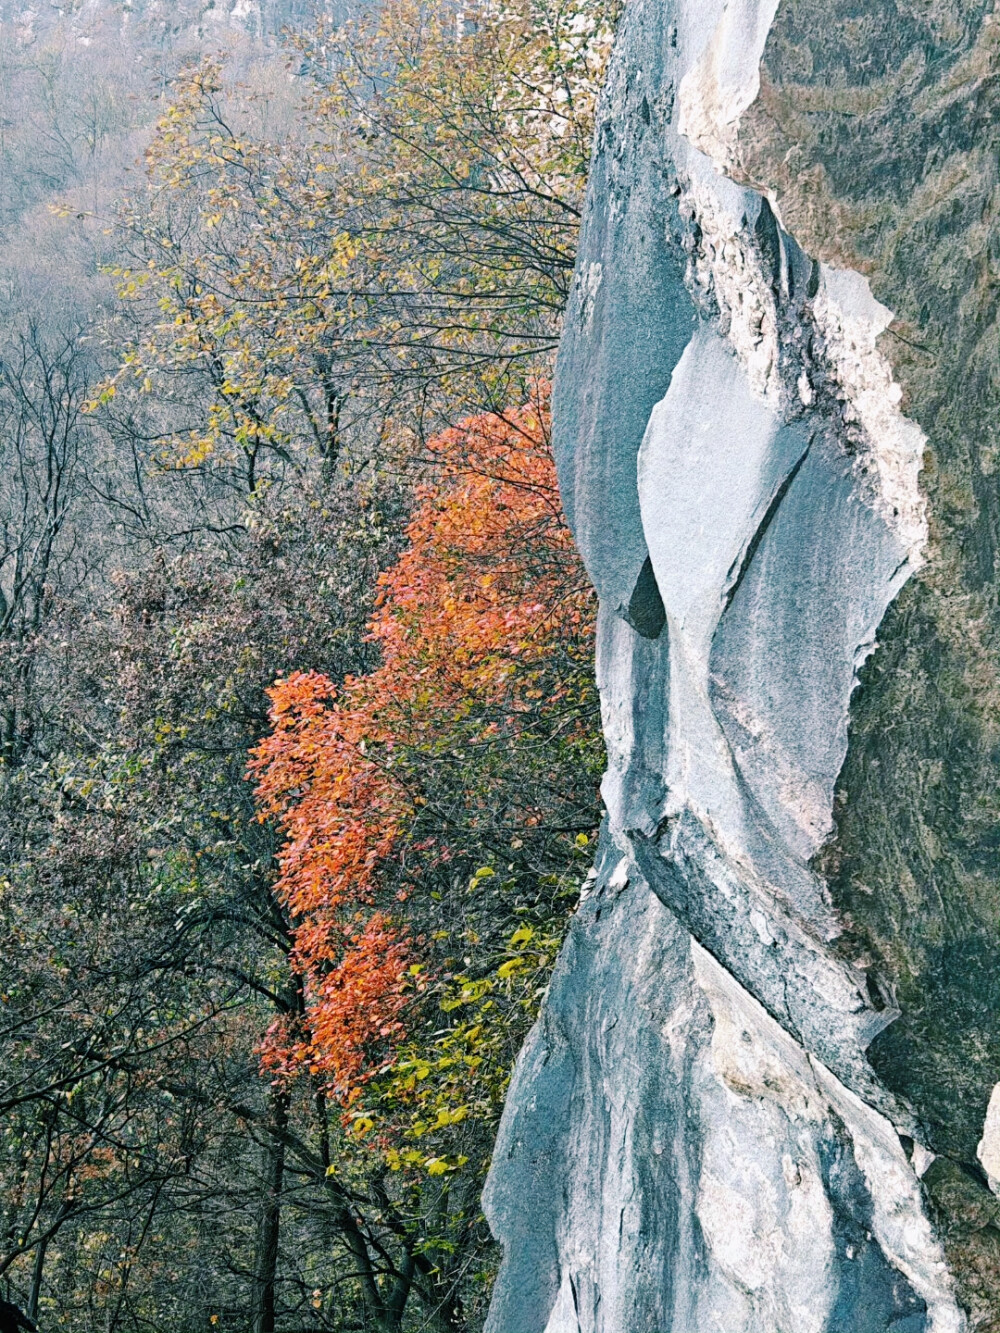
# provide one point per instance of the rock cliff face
(762, 1095)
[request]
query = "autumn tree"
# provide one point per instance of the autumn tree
(251, 1068)
(433, 811)
(399, 256)
(150, 952)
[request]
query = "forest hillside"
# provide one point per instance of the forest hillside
(299, 735)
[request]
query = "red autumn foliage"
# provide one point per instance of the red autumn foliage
(488, 592)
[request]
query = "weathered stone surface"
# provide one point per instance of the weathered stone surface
(762, 1094)
(880, 134)
(630, 319)
(672, 1160)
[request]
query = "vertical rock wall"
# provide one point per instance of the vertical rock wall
(760, 1094)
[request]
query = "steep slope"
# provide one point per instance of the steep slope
(757, 1096)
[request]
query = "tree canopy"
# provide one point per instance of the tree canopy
(299, 744)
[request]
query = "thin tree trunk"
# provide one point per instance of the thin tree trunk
(36, 1278)
(265, 1267)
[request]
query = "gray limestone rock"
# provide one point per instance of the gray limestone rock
(671, 1159)
(713, 1126)
(630, 318)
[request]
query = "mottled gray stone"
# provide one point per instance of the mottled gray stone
(877, 132)
(633, 676)
(670, 1160)
(816, 997)
(695, 1136)
(786, 655)
(630, 318)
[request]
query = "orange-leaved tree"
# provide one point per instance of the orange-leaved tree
(473, 743)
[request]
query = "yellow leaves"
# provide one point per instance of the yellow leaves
(360, 1126)
(102, 399)
(200, 447)
(441, 1093)
(446, 1117)
(467, 992)
(396, 1160)
(416, 1160)
(344, 249)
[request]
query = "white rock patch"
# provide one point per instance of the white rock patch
(725, 266)
(898, 1218)
(757, 1059)
(851, 321)
(725, 80)
(563, 1317)
(988, 1151)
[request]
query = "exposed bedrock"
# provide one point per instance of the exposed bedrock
(764, 1092)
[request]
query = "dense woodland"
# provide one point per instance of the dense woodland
(299, 742)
